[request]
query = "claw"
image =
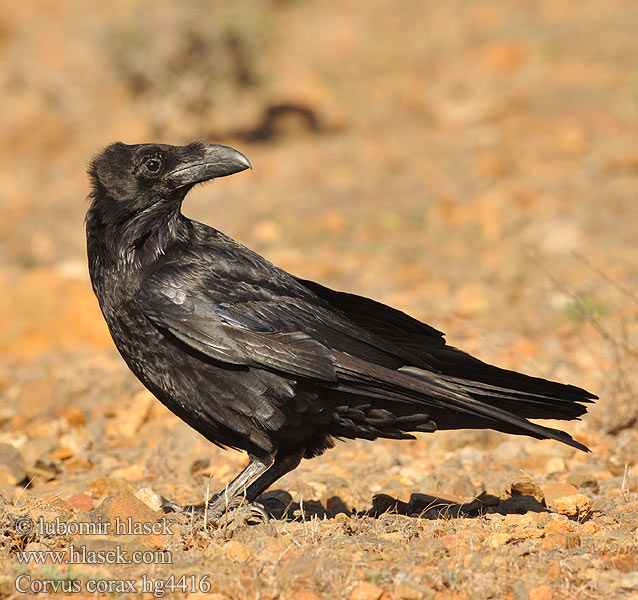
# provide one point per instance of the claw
(259, 512)
(168, 507)
(218, 512)
(243, 514)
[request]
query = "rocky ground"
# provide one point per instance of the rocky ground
(473, 164)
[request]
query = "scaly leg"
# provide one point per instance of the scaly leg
(231, 495)
(284, 463)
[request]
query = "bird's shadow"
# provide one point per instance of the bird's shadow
(279, 505)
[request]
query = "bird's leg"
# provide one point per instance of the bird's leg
(231, 495)
(284, 463)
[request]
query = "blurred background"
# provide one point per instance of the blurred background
(472, 163)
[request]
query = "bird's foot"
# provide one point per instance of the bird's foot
(220, 512)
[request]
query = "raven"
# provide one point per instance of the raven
(258, 360)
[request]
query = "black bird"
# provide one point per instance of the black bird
(256, 359)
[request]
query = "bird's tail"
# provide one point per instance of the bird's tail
(503, 400)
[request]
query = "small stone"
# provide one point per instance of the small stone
(392, 536)
(105, 486)
(51, 428)
(366, 591)
(338, 487)
(17, 439)
(62, 453)
(82, 502)
(76, 440)
(498, 539)
(604, 505)
(130, 514)
(7, 411)
(575, 505)
(629, 581)
(557, 490)
(560, 540)
(42, 471)
(592, 573)
(274, 549)
(556, 464)
(150, 498)
(131, 473)
(591, 528)
(407, 592)
(541, 592)
(201, 468)
(585, 482)
(236, 551)
(77, 465)
(12, 469)
(566, 499)
(72, 415)
(558, 526)
(516, 520)
(523, 485)
(267, 231)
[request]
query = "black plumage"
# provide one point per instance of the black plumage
(258, 360)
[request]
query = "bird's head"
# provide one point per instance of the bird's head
(132, 178)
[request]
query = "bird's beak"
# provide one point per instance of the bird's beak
(216, 161)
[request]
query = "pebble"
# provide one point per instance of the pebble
(522, 484)
(82, 502)
(404, 591)
(585, 482)
(573, 506)
(560, 540)
(126, 508)
(133, 473)
(150, 498)
(498, 539)
(629, 581)
(12, 468)
(366, 591)
(566, 499)
(236, 551)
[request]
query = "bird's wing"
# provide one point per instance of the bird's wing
(287, 333)
(235, 334)
(385, 321)
(524, 395)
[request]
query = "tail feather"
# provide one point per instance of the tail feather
(525, 404)
(494, 406)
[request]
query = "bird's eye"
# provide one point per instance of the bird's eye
(153, 165)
